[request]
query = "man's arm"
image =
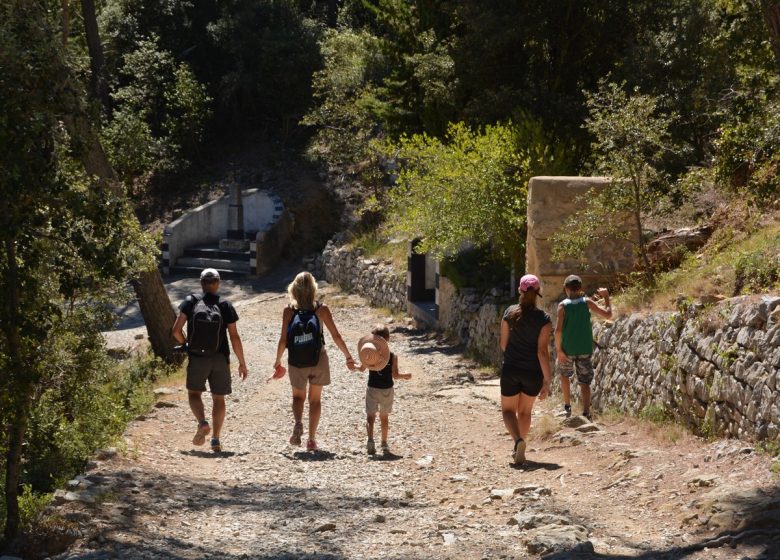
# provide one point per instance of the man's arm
(177, 330)
(602, 309)
(238, 348)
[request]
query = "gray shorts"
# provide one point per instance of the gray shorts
(315, 375)
(581, 365)
(214, 369)
(379, 400)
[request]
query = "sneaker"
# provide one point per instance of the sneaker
(519, 451)
(311, 445)
(295, 438)
(385, 448)
(588, 415)
(567, 410)
(370, 447)
(200, 436)
(216, 446)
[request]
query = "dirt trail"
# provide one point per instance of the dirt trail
(448, 491)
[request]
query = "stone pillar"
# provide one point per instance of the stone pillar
(235, 214)
(551, 201)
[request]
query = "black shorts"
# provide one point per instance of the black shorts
(214, 369)
(528, 382)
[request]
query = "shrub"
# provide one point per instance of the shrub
(757, 271)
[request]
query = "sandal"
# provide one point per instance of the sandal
(295, 439)
(311, 445)
(216, 446)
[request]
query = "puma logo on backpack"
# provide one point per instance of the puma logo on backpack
(206, 331)
(304, 339)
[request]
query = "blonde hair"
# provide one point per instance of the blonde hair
(303, 291)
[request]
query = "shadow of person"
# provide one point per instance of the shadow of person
(535, 466)
(389, 456)
(211, 454)
(319, 455)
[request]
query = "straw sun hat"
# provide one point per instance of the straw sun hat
(373, 351)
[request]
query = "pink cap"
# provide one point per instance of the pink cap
(529, 282)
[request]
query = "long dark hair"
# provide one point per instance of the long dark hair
(526, 303)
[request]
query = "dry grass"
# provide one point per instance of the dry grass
(544, 427)
(664, 432)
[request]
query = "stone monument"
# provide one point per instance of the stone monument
(236, 239)
(551, 201)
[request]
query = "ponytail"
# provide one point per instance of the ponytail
(526, 303)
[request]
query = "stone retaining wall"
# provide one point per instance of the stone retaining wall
(377, 281)
(715, 367)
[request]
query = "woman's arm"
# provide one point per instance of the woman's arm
(504, 338)
(280, 347)
(394, 370)
(543, 352)
(325, 315)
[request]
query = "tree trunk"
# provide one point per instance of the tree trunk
(771, 11)
(157, 312)
(17, 426)
(98, 86)
(155, 304)
(641, 238)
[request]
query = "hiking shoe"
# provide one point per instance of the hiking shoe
(385, 448)
(295, 438)
(519, 452)
(216, 446)
(370, 447)
(567, 410)
(200, 436)
(311, 445)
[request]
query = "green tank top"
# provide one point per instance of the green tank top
(577, 335)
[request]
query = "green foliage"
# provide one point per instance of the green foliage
(160, 114)
(757, 271)
(655, 413)
(630, 139)
(475, 268)
(471, 187)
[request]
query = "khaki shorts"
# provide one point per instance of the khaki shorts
(316, 375)
(380, 400)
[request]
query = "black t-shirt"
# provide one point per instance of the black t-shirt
(227, 310)
(382, 379)
(521, 354)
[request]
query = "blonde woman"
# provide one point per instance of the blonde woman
(302, 335)
(525, 372)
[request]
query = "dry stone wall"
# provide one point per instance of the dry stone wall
(377, 281)
(714, 367)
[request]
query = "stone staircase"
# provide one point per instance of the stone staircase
(230, 263)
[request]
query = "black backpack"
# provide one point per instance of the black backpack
(205, 328)
(304, 338)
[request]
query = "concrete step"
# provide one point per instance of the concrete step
(194, 272)
(220, 264)
(214, 252)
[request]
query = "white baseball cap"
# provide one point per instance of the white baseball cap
(209, 274)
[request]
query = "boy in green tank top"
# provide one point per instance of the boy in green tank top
(574, 339)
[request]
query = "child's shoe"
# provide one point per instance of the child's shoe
(216, 446)
(567, 410)
(311, 445)
(385, 448)
(370, 447)
(588, 415)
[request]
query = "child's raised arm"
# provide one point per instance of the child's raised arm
(601, 307)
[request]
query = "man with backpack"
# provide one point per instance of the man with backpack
(210, 322)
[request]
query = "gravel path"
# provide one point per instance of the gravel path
(447, 491)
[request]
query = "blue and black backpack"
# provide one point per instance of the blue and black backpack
(304, 338)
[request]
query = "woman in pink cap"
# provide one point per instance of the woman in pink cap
(525, 373)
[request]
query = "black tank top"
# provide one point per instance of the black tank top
(521, 354)
(382, 379)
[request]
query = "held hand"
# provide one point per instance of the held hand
(243, 371)
(351, 363)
